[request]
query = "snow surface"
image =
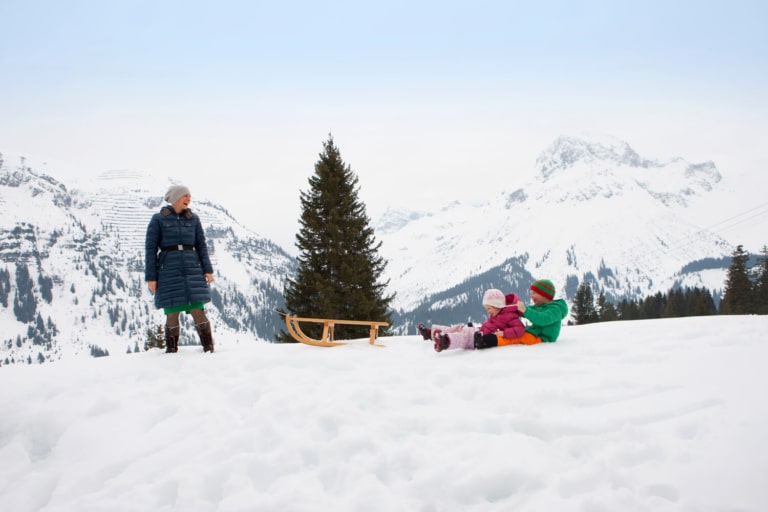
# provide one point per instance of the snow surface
(663, 415)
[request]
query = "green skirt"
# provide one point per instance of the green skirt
(184, 307)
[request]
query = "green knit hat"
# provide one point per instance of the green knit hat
(544, 287)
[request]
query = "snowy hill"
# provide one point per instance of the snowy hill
(72, 262)
(71, 255)
(595, 211)
(615, 416)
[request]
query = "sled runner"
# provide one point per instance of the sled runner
(294, 329)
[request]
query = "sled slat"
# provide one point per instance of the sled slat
(327, 340)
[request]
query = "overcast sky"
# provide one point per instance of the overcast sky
(428, 101)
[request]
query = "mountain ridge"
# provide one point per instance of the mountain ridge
(71, 256)
(72, 263)
(593, 211)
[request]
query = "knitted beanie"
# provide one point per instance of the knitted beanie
(176, 192)
(544, 287)
(494, 298)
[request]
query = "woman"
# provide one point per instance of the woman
(177, 267)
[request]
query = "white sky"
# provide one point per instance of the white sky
(426, 100)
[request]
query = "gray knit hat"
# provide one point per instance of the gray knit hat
(175, 192)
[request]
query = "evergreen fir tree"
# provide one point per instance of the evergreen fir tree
(339, 268)
(584, 311)
(737, 296)
(605, 310)
(761, 284)
(653, 306)
(5, 287)
(628, 310)
(699, 302)
(24, 304)
(154, 339)
(675, 304)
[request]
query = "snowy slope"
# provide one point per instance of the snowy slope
(592, 211)
(617, 416)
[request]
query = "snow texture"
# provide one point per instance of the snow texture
(661, 415)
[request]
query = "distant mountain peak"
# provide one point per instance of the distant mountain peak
(579, 169)
(598, 211)
(395, 219)
(567, 151)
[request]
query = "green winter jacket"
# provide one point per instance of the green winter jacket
(546, 319)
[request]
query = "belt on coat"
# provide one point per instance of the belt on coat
(178, 247)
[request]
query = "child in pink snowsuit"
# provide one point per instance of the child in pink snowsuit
(502, 316)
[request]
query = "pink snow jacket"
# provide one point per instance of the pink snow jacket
(508, 320)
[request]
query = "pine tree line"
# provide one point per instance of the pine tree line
(677, 302)
(745, 292)
(746, 288)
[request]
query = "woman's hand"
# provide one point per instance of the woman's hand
(208, 278)
(152, 285)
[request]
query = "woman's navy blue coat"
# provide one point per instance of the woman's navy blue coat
(179, 274)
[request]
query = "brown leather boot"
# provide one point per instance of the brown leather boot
(206, 336)
(172, 339)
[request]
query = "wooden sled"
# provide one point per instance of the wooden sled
(294, 329)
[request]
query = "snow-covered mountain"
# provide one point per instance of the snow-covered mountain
(72, 262)
(594, 211)
(71, 255)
